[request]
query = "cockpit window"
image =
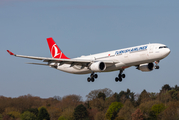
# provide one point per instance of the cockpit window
(163, 47)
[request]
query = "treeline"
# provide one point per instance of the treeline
(101, 104)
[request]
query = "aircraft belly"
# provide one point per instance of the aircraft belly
(74, 70)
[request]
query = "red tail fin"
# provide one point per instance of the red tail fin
(55, 50)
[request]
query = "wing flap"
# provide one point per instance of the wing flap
(38, 64)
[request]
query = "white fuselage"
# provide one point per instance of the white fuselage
(123, 58)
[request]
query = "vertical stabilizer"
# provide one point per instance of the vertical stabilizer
(55, 50)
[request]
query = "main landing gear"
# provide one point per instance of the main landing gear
(120, 76)
(92, 77)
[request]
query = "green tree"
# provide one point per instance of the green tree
(33, 110)
(43, 114)
(62, 118)
(155, 111)
(28, 116)
(113, 110)
(146, 108)
(80, 112)
(68, 113)
(158, 108)
(14, 114)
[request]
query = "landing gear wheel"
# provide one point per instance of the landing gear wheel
(95, 76)
(116, 79)
(88, 79)
(156, 67)
(120, 79)
(120, 76)
(92, 79)
(123, 75)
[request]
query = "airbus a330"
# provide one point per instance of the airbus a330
(144, 57)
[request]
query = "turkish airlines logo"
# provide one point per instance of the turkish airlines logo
(55, 51)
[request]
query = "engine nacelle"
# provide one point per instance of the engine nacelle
(98, 66)
(146, 67)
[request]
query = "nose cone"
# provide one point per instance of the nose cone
(166, 52)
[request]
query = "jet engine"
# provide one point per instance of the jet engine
(98, 66)
(146, 67)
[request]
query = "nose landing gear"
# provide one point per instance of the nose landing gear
(92, 77)
(120, 76)
(156, 66)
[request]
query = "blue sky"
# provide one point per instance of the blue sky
(83, 27)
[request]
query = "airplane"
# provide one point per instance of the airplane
(142, 56)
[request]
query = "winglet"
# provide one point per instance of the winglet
(10, 52)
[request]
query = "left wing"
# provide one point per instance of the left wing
(61, 61)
